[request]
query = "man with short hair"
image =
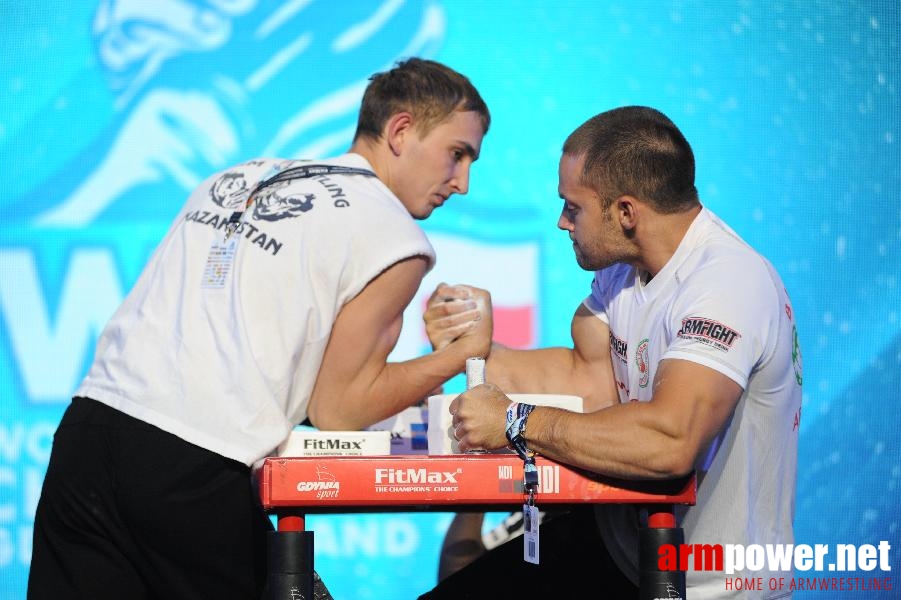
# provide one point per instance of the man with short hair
(275, 298)
(686, 354)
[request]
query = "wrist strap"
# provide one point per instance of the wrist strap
(517, 418)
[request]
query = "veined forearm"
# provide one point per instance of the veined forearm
(549, 371)
(625, 441)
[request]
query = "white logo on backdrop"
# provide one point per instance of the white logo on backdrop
(198, 85)
(251, 59)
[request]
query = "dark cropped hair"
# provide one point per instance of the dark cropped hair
(636, 151)
(428, 90)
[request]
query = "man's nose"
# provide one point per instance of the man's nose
(460, 181)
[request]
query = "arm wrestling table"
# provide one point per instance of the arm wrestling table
(290, 488)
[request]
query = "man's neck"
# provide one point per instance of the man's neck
(662, 239)
(373, 151)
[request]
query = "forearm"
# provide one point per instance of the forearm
(550, 371)
(657, 439)
(628, 441)
(529, 371)
(372, 396)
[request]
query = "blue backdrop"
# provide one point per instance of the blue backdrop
(111, 110)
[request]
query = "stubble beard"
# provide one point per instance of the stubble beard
(594, 263)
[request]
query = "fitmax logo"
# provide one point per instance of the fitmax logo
(332, 444)
(411, 475)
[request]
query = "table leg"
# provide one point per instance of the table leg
(289, 552)
(654, 581)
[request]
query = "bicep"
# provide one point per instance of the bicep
(364, 334)
(591, 356)
(695, 402)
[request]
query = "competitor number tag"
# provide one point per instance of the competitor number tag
(219, 263)
(530, 538)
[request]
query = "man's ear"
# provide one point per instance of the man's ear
(398, 128)
(627, 210)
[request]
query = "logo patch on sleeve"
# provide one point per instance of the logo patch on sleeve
(708, 331)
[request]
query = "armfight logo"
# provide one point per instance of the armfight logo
(709, 332)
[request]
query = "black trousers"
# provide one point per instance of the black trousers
(573, 565)
(130, 511)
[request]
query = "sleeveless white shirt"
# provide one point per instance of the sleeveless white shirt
(224, 354)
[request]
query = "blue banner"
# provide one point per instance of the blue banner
(112, 110)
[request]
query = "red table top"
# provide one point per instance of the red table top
(333, 483)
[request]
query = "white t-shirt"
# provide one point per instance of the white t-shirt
(719, 303)
(224, 352)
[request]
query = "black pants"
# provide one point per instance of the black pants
(572, 556)
(130, 511)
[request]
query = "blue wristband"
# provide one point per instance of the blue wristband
(517, 418)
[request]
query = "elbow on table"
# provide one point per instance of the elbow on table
(678, 462)
(335, 420)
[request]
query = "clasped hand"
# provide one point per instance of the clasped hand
(460, 315)
(479, 418)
